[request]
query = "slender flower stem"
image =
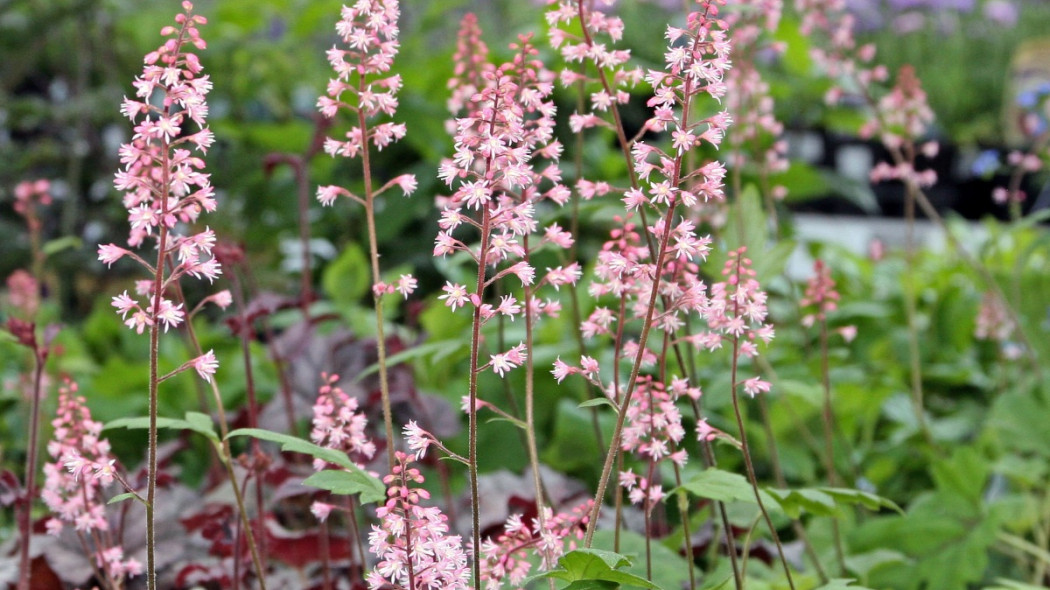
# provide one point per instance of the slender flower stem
(472, 414)
(828, 422)
(25, 517)
(738, 578)
(778, 476)
(154, 379)
(614, 444)
(244, 334)
(530, 403)
(914, 354)
(748, 462)
(373, 254)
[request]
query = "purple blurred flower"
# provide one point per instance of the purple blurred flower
(1001, 12)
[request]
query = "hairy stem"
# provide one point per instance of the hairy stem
(25, 517)
(373, 253)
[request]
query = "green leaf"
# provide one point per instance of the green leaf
(52, 247)
(841, 584)
(372, 489)
(863, 564)
(346, 279)
(406, 355)
(345, 483)
(122, 497)
(203, 424)
(193, 423)
(1004, 584)
(813, 501)
(1018, 421)
(865, 499)
(827, 501)
(723, 486)
(597, 401)
(669, 568)
(594, 568)
(962, 475)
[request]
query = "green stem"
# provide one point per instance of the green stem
(828, 422)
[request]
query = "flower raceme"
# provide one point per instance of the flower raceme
(500, 180)
(75, 482)
(163, 180)
(337, 422)
(363, 86)
(412, 542)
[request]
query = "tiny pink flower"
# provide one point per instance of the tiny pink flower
(406, 284)
(417, 439)
(206, 365)
(407, 182)
(328, 194)
(124, 304)
(110, 253)
(561, 370)
(455, 295)
(321, 510)
(223, 298)
(755, 385)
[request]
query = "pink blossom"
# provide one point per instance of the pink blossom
(504, 362)
(206, 365)
(321, 510)
(755, 385)
(562, 370)
(328, 194)
(455, 295)
(110, 253)
(417, 439)
(75, 483)
(406, 284)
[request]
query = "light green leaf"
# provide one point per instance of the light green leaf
(723, 486)
(122, 497)
(841, 584)
(1004, 584)
(52, 247)
(193, 423)
(345, 483)
(594, 569)
(597, 401)
(372, 489)
(410, 354)
(813, 501)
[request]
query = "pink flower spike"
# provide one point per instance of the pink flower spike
(206, 365)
